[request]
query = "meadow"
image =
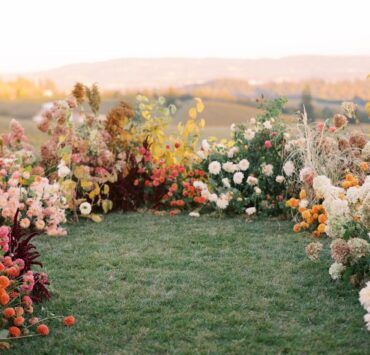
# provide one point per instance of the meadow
(140, 284)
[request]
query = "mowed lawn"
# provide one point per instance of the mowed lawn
(141, 284)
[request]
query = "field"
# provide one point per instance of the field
(218, 115)
(144, 284)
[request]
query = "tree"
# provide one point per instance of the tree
(306, 101)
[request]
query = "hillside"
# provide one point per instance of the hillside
(139, 73)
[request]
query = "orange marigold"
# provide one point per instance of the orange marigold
(322, 218)
(296, 228)
(321, 228)
(306, 214)
(364, 166)
(4, 298)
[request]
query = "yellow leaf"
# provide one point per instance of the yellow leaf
(107, 205)
(202, 123)
(199, 105)
(96, 218)
(106, 189)
(193, 113)
(86, 184)
(94, 192)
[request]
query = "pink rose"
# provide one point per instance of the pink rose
(268, 144)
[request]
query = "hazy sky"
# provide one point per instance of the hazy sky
(40, 34)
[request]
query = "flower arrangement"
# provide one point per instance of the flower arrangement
(20, 286)
(78, 154)
(244, 175)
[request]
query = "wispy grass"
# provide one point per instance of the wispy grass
(142, 284)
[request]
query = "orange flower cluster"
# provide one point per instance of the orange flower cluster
(313, 219)
(350, 181)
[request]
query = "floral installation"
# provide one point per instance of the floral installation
(21, 288)
(245, 174)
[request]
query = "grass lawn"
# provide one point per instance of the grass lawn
(144, 284)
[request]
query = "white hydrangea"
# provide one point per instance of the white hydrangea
(232, 152)
(214, 167)
(353, 194)
(252, 181)
(201, 154)
(229, 167)
(63, 169)
(280, 179)
(289, 168)
(222, 203)
(336, 270)
(243, 165)
(267, 169)
(226, 182)
(303, 203)
(321, 185)
(365, 296)
(205, 145)
(267, 124)
(238, 178)
(249, 134)
(257, 190)
(250, 211)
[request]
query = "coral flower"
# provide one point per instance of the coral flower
(43, 330)
(18, 321)
(9, 312)
(4, 298)
(69, 321)
(14, 332)
(4, 282)
(296, 228)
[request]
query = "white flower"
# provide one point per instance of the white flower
(214, 168)
(336, 270)
(226, 182)
(286, 135)
(250, 211)
(199, 185)
(365, 296)
(85, 208)
(222, 203)
(321, 185)
(232, 151)
(205, 145)
(253, 120)
(303, 203)
(229, 167)
(201, 154)
(26, 175)
(353, 194)
(257, 190)
(63, 170)
(249, 134)
(238, 178)
(212, 197)
(233, 127)
(280, 179)
(267, 125)
(243, 165)
(267, 169)
(194, 214)
(289, 168)
(251, 180)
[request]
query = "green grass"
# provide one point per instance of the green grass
(142, 284)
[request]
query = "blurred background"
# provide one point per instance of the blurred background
(229, 53)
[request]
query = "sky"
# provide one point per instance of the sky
(42, 34)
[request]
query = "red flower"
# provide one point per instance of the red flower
(43, 330)
(69, 321)
(268, 144)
